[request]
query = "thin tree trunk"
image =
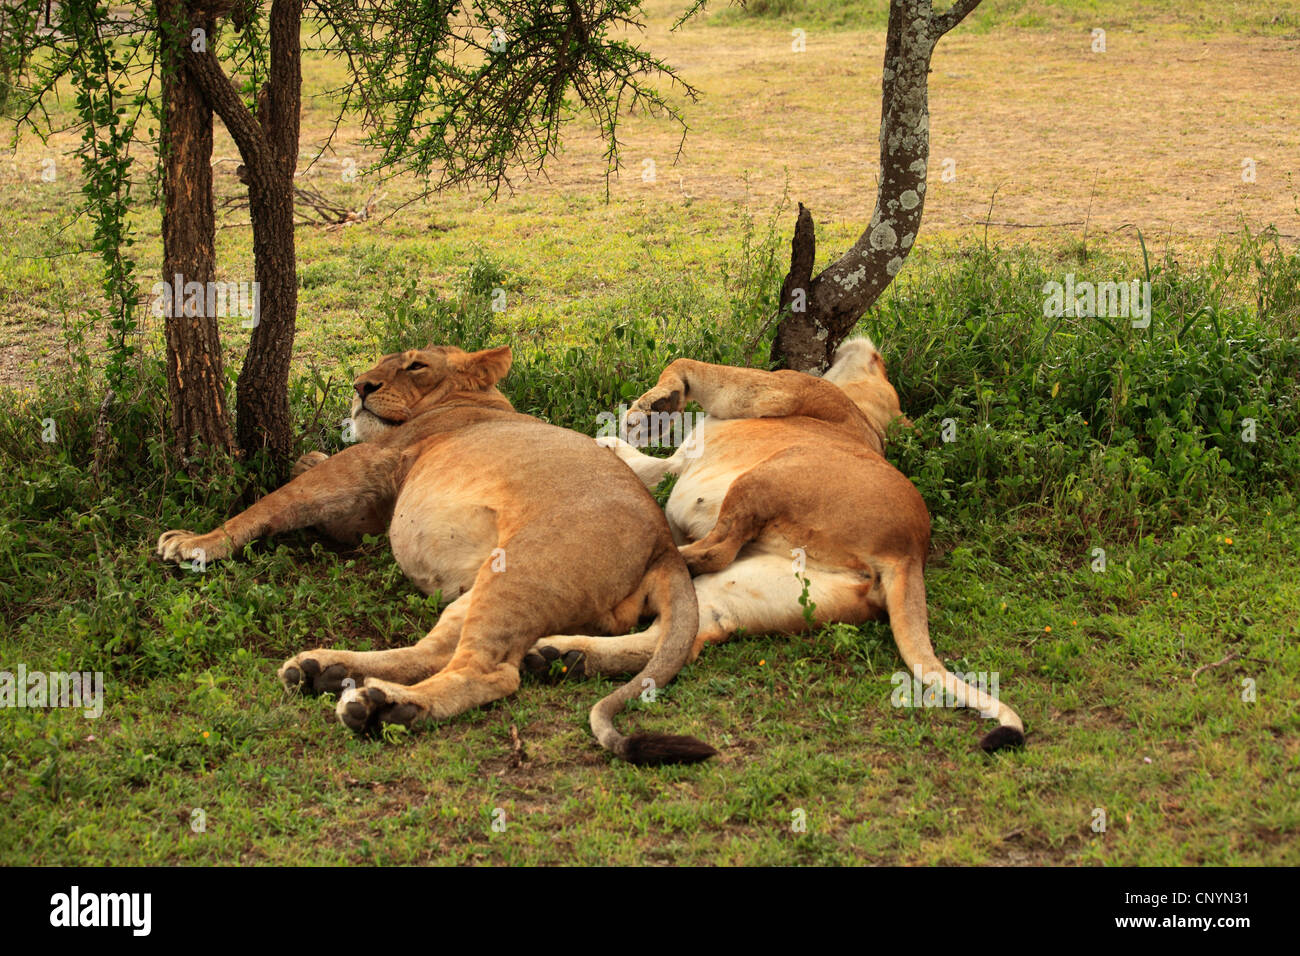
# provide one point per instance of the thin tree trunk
(818, 313)
(195, 379)
(262, 396)
(268, 144)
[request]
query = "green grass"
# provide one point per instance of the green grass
(1187, 773)
(1201, 547)
(1072, 435)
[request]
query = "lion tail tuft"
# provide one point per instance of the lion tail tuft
(1002, 738)
(653, 749)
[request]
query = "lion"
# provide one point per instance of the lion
(526, 528)
(783, 486)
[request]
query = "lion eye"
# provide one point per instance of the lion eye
(416, 365)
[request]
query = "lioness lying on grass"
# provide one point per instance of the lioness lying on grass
(530, 529)
(788, 465)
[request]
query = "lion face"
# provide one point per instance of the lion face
(405, 385)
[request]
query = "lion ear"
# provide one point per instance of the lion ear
(484, 369)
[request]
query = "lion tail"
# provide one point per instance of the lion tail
(671, 596)
(904, 589)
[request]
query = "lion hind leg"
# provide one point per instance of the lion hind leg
(724, 391)
(649, 469)
(752, 502)
(450, 692)
(757, 594)
(491, 643)
(762, 593)
(582, 655)
(333, 671)
(481, 669)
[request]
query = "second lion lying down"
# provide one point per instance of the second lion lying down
(786, 464)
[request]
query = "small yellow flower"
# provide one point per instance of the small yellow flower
(205, 733)
(1227, 541)
(762, 662)
(1074, 624)
(1047, 629)
(1004, 605)
(1175, 595)
(564, 670)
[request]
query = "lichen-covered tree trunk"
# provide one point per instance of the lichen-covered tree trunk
(819, 312)
(195, 379)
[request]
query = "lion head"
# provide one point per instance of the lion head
(405, 385)
(859, 371)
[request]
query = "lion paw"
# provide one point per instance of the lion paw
(311, 673)
(547, 663)
(178, 545)
(306, 462)
(660, 399)
(365, 710)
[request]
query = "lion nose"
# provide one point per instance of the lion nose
(365, 388)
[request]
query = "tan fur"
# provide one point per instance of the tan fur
(785, 465)
(529, 528)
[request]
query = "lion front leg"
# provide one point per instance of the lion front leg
(724, 391)
(334, 490)
(369, 518)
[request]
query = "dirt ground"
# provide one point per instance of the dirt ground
(1185, 138)
(1154, 131)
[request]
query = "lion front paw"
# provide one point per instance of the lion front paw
(365, 710)
(306, 462)
(660, 399)
(178, 545)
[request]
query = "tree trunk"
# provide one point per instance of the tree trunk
(818, 313)
(195, 379)
(262, 406)
(268, 144)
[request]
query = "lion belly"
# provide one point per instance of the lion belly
(693, 507)
(724, 449)
(441, 539)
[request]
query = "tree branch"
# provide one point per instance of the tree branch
(840, 294)
(226, 102)
(941, 23)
